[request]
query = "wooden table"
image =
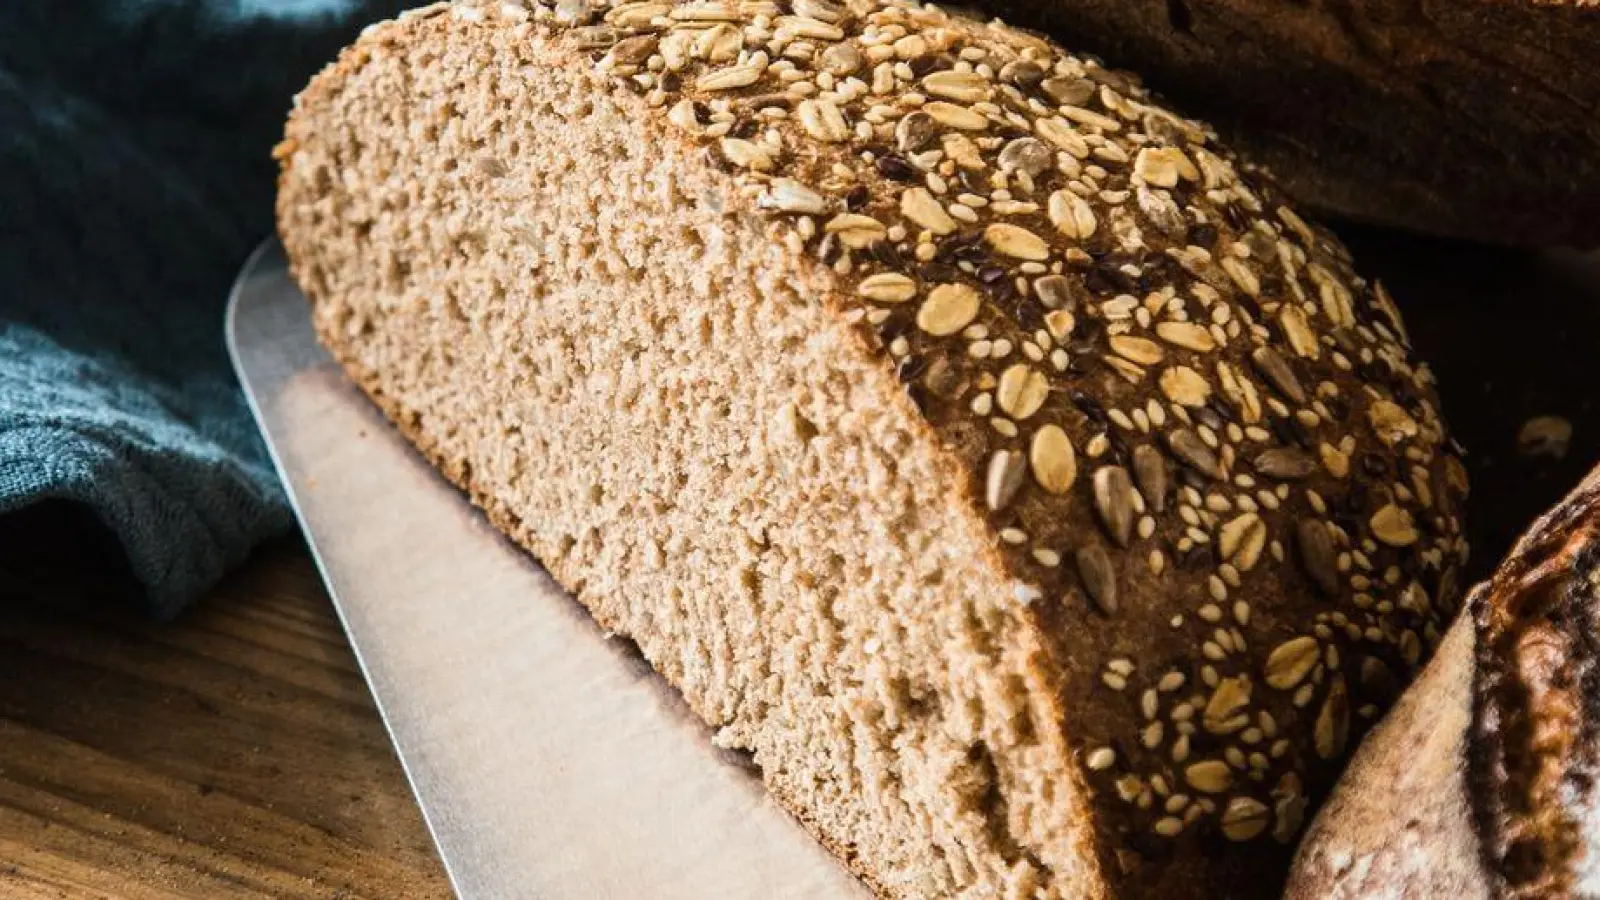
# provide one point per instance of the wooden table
(234, 753)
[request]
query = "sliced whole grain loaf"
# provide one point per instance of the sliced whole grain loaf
(1044, 506)
(1467, 118)
(1485, 781)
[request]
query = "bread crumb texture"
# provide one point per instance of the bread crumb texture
(1043, 504)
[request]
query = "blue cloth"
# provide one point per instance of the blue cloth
(134, 180)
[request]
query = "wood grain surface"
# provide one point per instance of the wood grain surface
(234, 753)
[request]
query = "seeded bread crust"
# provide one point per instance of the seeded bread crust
(1476, 118)
(1482, 783)
(1200, 451)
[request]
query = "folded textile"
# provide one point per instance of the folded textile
(135, 178)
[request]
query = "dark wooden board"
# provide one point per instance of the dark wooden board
(234, 753)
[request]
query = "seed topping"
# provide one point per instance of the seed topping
(1055, 267)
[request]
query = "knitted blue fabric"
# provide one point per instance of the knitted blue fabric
(134, 180)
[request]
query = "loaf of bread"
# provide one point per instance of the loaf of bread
(1043, 505)
(1484, 783)
(1469, 118)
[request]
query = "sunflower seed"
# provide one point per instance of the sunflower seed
(1290, 662)
(888, 287)
(1285, 464)
(1191, 450)
(1275, 369)
(915, 131)
(1004, 478)
(635, 50)
(1022, 73)
(1318, 555)
(1055, 292)
(1069, 91)
(1016, 242)
(1113, 500)
(1022, 390)
(948, 309)
(918, 205)
(1098, 576)
(1026, 154)
(1150, 470)
(1333, 721)
(1054, 462)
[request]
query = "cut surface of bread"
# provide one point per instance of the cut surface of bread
(1482, 782)
(1466, 118)
(1045, 507)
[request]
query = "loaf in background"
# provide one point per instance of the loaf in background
(1043, 504)
(1483, 781)
(1467, 118)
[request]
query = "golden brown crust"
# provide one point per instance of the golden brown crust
(1201, 443)
(1536, 723)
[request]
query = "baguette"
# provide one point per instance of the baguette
(1469, 118)
(1482, 783)
(1043, 505)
